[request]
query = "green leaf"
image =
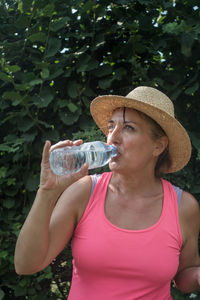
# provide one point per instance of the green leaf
(48, 10)
(68, 118)
(73, 89)
(103, 71)
(56, 74)
(61, 103)
(57, 25)
(12, 96)
(20, 291)
(6, 148)
(38, 37)
(25, 123)
(52, 135)
(44, 99)
(141, 1)
(187, 41)
(35, 82)
(3, 254)
(12, 68)
(26, 281)
(22, 21)
(2, 294)
(72, 107)
(3, 171)
(11, 181)
(54, 45)
(44, 73)
(5, 77)
(192, 90)
(105, 83)
(29, 137)
(11, 192)
(120, 73)
(25, 5)
(22, 87)
(89, 92)
(32, 183)
(195, 140)
(88, 5)
(172, 28)
(196, 189)
(9, 203)
(86, 63)
(45, 124)
(20, 6)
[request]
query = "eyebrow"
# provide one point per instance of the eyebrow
(124, 122)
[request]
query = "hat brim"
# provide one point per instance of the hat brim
(102, 108)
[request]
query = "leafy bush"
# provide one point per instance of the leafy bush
(56, 56)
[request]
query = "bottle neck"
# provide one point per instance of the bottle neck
(114, 150)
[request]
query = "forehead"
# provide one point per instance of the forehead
(128, 114)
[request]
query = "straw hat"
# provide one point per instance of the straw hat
(156, 105)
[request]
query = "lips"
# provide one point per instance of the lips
(118, 154)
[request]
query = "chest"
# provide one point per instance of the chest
(133, 214)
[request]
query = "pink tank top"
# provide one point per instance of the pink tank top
(112, 263)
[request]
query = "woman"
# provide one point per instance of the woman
(132, 232)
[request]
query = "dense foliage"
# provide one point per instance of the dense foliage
(56, 56)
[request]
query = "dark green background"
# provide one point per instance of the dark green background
(56, 56)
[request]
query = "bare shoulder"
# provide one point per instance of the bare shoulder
(78, 194)
(83, 185)
(189, 207)
(189, 212)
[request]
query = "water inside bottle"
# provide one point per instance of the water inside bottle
(96, 158)
(74, 161)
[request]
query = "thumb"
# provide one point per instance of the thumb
(45, 153)
(83, 172)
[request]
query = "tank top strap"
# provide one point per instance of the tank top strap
(94, 178)
(178, 193)
(172, 208)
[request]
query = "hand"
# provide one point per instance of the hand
(50, 181)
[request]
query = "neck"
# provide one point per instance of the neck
(137, 184)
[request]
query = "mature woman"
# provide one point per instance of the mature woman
(132, 231)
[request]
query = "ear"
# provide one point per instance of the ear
(160, 145)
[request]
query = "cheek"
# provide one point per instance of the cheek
(138, 145)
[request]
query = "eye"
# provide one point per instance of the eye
(110, 127)
(129, 128)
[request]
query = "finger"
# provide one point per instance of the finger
(61, 144)
(78, 142)
(84, 168)
(66, 143)
(83, 172)
(45, 153)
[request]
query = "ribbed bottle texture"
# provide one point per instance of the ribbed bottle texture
(69, 160)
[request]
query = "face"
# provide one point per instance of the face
(132, 135)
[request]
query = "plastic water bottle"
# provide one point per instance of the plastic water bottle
(69, 160)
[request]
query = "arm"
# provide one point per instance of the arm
(58, 205)
(188, 280)
(188, 276)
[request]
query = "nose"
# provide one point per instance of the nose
(114, 137)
